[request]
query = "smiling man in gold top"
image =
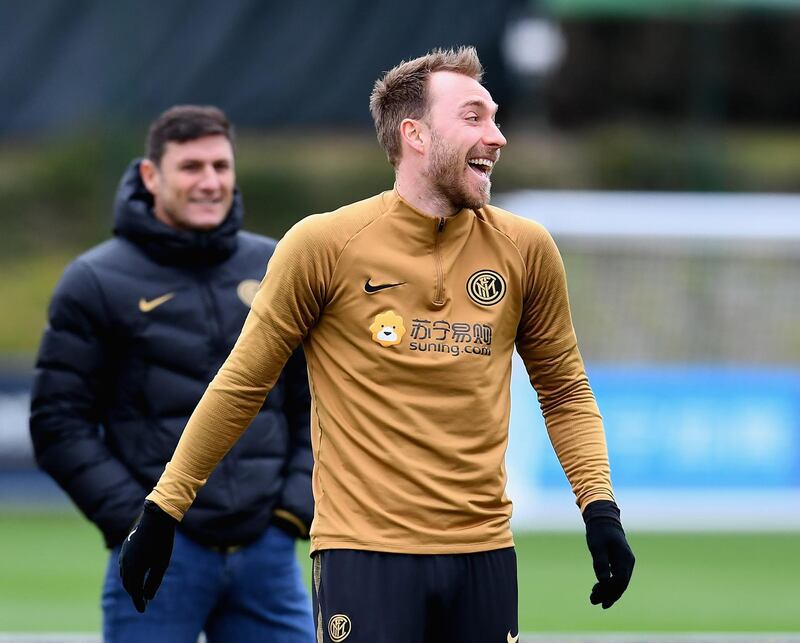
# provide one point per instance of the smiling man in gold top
(409, 305)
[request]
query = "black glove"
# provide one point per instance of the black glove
(612, 558)
(145, 554)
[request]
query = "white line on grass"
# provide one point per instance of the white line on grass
(620, 637)
(666, 637)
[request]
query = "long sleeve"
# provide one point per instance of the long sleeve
(547, 344)
(284, 310)
(72, 369)
(296, 504)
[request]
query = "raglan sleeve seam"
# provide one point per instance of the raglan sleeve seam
(347, 243)
(514, 245)
(567, 343)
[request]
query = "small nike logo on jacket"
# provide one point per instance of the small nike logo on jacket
(146, 306)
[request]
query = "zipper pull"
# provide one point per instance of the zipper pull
(440, 227)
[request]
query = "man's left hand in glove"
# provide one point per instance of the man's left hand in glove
(612, 557)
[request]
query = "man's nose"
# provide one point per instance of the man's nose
(493, 136)
(210, 179)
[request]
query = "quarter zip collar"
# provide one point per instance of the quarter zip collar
(422, 227)
(436, 241)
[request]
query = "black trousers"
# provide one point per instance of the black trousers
(374, 597)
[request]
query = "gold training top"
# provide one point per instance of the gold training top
(408, 324)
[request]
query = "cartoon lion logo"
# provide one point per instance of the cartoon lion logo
(388, 329)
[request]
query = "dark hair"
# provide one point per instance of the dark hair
(183, 123)
(403, 91)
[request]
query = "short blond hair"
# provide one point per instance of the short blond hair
(402, 92)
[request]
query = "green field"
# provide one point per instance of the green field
(51, 567)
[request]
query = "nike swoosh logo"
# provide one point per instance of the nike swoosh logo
(369, 288)
(131, 534)
(512, 639)
(146, 306)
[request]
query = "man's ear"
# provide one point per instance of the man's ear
(148, 171)
(414, 134)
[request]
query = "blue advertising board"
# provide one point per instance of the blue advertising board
(686, 432)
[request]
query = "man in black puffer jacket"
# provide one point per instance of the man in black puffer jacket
(138, 326)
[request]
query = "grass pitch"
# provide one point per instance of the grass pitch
(51, 568)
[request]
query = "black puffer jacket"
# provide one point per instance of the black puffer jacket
(138, 326)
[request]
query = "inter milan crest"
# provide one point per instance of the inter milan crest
(339, 627)
(486, 287)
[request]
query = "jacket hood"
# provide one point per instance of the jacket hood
(134, 220)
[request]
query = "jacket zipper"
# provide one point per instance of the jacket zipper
(438, 297)
(212, 312)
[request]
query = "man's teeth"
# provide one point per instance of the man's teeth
(485, 162)
(482, 166)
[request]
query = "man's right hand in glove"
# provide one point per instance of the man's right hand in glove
(145, 554)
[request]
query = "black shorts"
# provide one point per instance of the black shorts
(374, 597)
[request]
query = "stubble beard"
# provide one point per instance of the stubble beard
(446, 172)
